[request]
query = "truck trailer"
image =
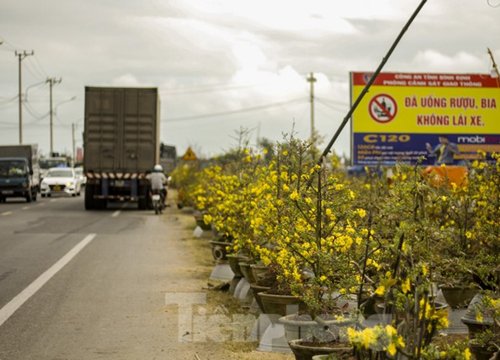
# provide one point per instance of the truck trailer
(19, 172)
(121, 144)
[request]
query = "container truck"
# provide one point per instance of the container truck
(19, 172)
(121, 144)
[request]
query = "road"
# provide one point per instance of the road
(88, 285)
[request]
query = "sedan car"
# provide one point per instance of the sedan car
(61, 180)
(80, 174)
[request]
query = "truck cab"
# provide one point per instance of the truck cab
(16, 179)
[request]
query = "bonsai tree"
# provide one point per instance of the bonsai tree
(314, 234)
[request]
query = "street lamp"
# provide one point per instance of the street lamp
(51, 122)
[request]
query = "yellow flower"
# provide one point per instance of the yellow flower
(406, 285)
(361, 213)
(339, 187)
(467, 354)
(391, 349)
(380, 290)
(391, 331)
(294, 195)
(369, 337)
(425, 270)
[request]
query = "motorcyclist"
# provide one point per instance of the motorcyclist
(158, 180)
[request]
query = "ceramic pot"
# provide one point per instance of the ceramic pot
(198, 217)
(219, 251)
(280, 304)
(246, 271)
(234, 263)
(305, 351)
(476, 311)
(481, 352)
(256, 289)
(458, 297)
(304, 327)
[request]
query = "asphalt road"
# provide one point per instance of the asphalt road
(76, 284)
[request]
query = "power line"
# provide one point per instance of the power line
(33, 71)
(332, 106)
(40, 67)
(8, 101)
(336, 102)
(33, 112)
(233, 112)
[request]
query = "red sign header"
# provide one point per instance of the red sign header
(427, 80)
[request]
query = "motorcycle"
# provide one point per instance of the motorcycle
(157, 202)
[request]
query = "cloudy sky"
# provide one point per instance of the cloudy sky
(225, 65)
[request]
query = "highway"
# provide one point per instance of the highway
(76, 284)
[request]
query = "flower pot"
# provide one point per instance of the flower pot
(437, 305)
(326, 357)
(304, 350)
(476, 318)
(458, 296)
(233, 261)
(261, 274)
(198, 217)
(481, 352)
(219, 251)
(256, 289)
(246, 271)
(304, 327)
(280, 304)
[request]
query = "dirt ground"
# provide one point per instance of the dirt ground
(216, 325)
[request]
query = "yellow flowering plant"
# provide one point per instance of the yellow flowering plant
(311, 227)
(403, 235)
(468, 216)
(376, 342)
(184, 180)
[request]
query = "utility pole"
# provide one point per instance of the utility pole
(73, 141)
(21, 56)
(52, 82)
(495, 68)
(311, 79)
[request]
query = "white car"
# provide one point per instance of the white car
(79, 173)
(61, 180)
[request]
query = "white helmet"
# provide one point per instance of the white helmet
(158, 168)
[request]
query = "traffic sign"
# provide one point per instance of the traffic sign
(383, 108)
(189, 155)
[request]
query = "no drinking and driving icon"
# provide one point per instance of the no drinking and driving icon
(383, 108)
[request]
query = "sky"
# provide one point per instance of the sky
(224, 66)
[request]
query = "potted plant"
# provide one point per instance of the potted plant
(404, 232)
(313, 239)
(464, 257)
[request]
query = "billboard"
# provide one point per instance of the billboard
(403, 112)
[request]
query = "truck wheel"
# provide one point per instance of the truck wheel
(28, 196)
(34, 196)
(89, 198)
